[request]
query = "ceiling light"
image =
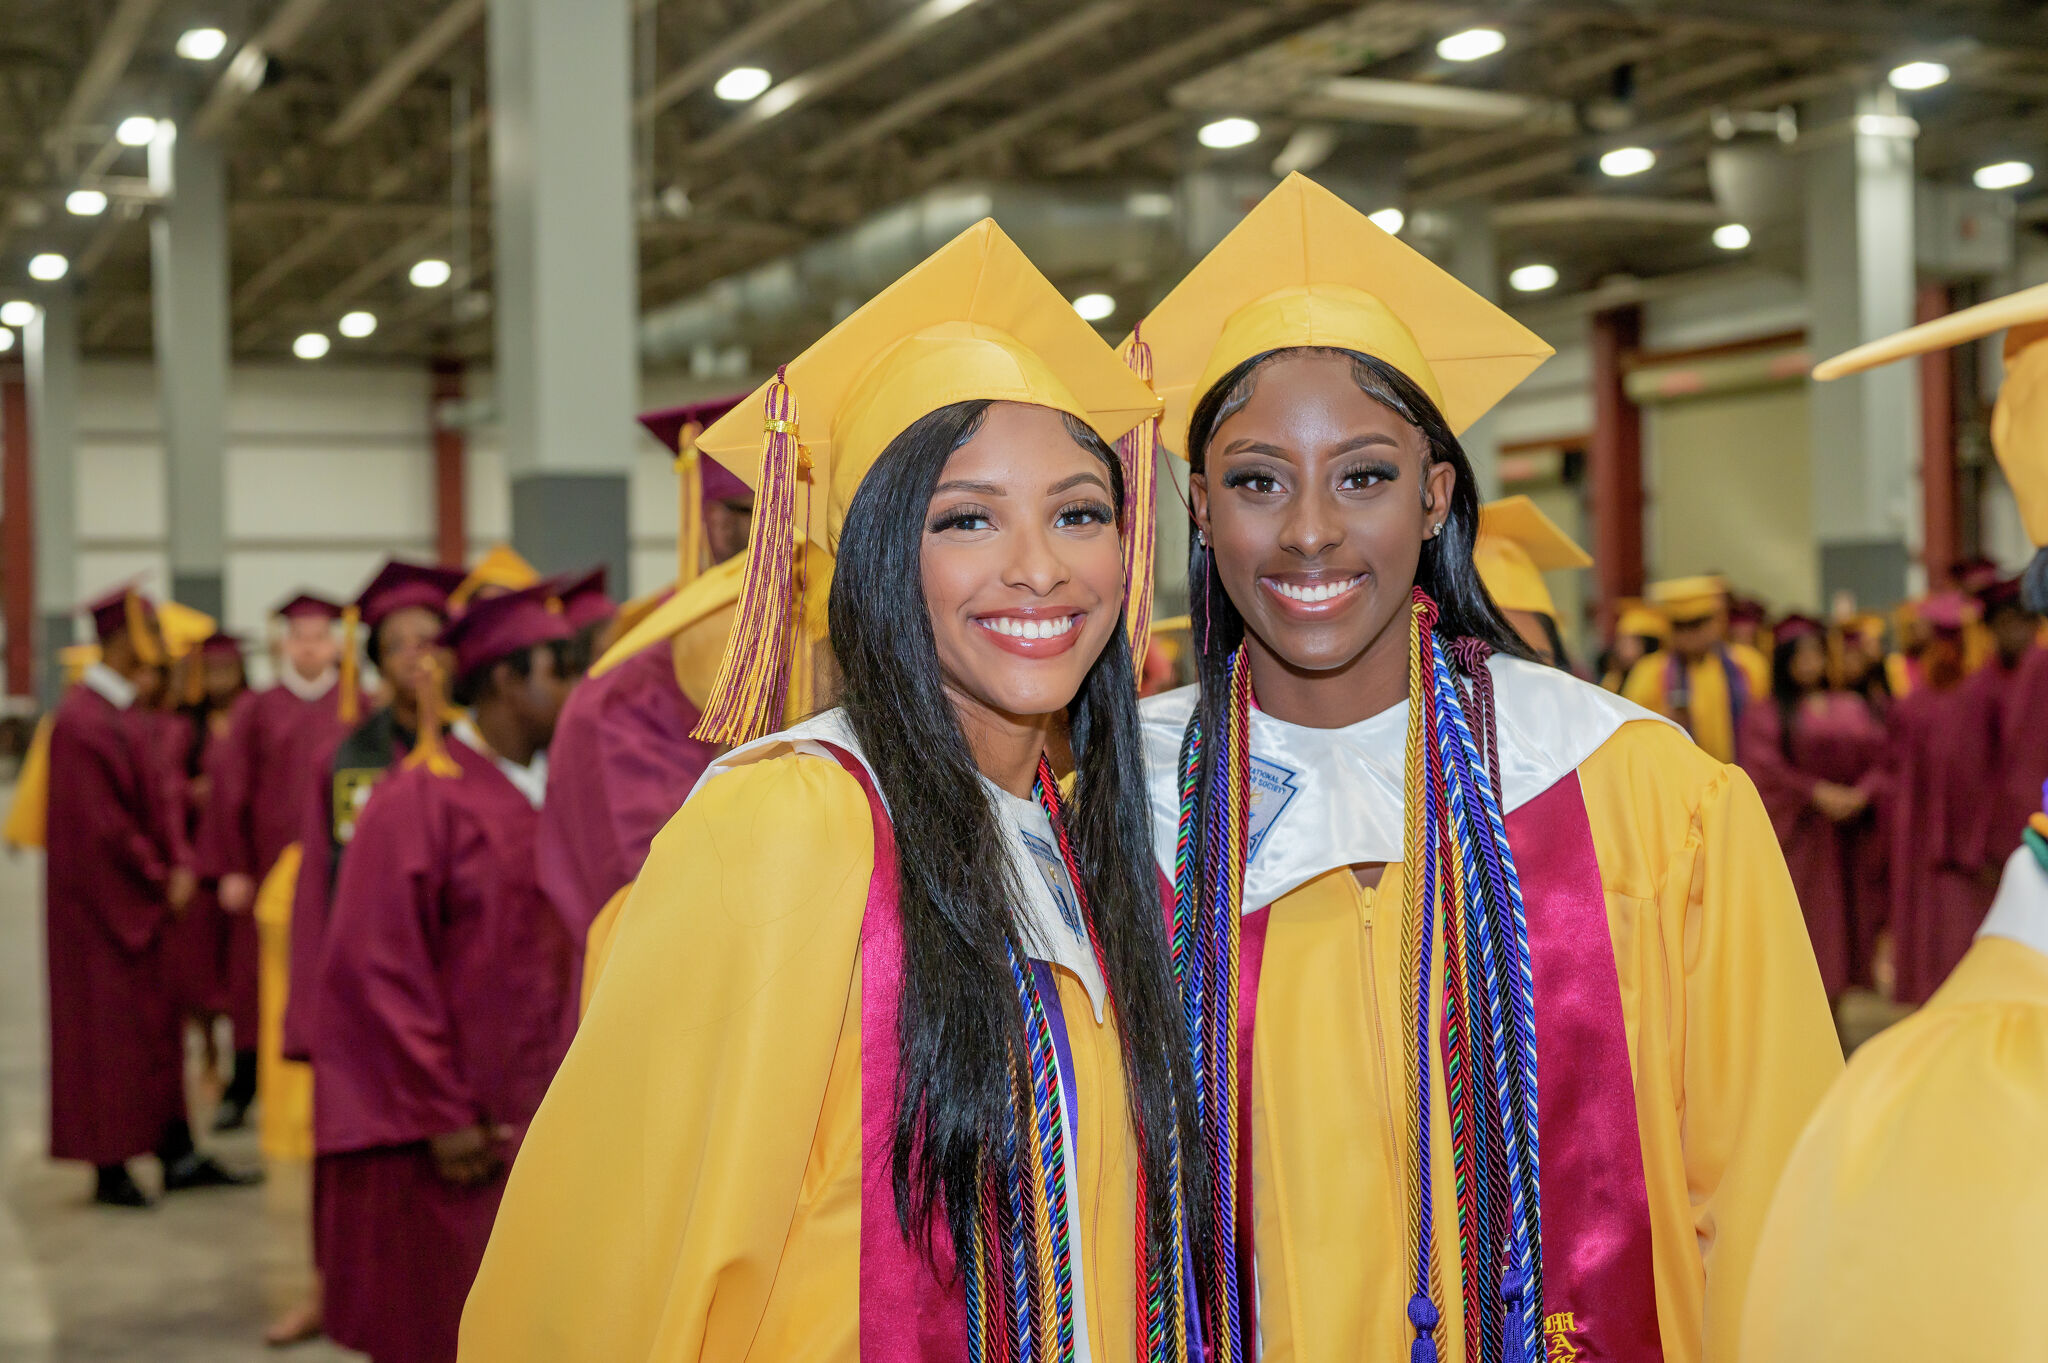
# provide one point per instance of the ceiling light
(1533, 278)
(1628, 161)
(17, 313)
(1918, 76)
(138, 130)
(1471, 45)
(356, 325)
(1149, 203)
(1095, 307)
(202, 44)
(430, 274)
(2004, 175)
(48, 267)
(1732, 236)
(742, 83)
(86, 203)
(310, 346)
(1226, 133)
(6, 340)
(1388, 220)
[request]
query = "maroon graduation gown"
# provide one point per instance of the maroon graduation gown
(1835, 738)
(443, 988)
(257, 805)
(198, 946)
(116, 1056)
(2023, 745)
(621, 764)
(1942, 807)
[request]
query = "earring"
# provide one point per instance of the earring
(1202, 538)
(1436, 530)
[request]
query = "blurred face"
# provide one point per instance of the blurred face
(223, 679)
(1530, 626)
(150, 683)
(405, 640)
(309, 647)
(536, 699)
(1023, 570)
(1809, 664)
(2014, 631)
(1942, 658)
(1628, 651)
(1316, 500)
(725, 528)
(1695, 638)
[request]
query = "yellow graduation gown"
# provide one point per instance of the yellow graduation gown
(690, 1188)
(28, 817)
(1712, 713)
(1908, 1224)
(1730, 1042)
(286, 1086)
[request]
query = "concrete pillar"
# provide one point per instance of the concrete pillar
(51, 361)
(189, 286)
(566, 274)
(1860, 285)
(1616, 463)
(1474, 260)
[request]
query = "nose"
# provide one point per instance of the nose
(1035, 562)
(1312, 526)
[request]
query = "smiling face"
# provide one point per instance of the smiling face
(1023, 570)
(1316, 500)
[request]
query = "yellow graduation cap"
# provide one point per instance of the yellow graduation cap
(1305, 268)
(184, 628)
(75, 658)
(976, 320)
(2019, 422)
(1632, 616)
(501, 569)
(1690, 598)
(1516, 545)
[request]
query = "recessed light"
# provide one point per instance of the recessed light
(2004, 175)
(17, 313)
(742, 83)
(430, 274)
(1471, 45)
(356, 325)
(1226, 133)
(1095, 307)
(1625, 161)
(201, 44)
(1533, 278)
(311, 346)
(6, 340)
(1918, 76)
(48, 267)
(86, 203)
(1732, 236)
(137, 130)
(1388, 220)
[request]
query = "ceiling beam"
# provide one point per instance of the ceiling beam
(244, 74)
(1106, 147)
(428, 46)
(1571, 210)
(720, 56)
(105, 67)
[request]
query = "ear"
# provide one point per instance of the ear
(1439, 481)
(1198, 500)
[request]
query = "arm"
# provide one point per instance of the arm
(1782, 784)
(646, 1215)
(225, 845)
(646, 781)
(105, 782)
(309, 908)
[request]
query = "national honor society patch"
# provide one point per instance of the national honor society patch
(1272, 790)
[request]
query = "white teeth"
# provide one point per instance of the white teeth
(1019, 628)
(1321, 591)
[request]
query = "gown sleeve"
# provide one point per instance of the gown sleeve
(646, 1215)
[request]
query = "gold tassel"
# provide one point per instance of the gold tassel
(1137, 446)
(753, 678)
(195, 677)
(690, 506)
(139, 633)
(429, 752)
(349, 710)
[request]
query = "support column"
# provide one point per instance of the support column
(1474, 260)
(451, 442)
(17, 534)
(1615, 467)
(52, 368)
(1860, 281)
(1940, 510)
(189, 287)
(566, 275)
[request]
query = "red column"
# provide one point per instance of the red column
(17, 535)
(1940, 512)
(1616, 463)
(451, 534)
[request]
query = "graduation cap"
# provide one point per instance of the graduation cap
(976, 320)
(1632, 616)
(501, 569)
(700, 479)
(308, 606)
(1796, 626)
(184, 628)
(583, 599)
(498, 627)
(1951, 611)
(1690, 600)
(1515, 546)
(220, 645)
(125, 610)
(398, 585)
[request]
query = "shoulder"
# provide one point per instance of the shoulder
(1659, 764)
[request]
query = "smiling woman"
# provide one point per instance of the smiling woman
(901, 1079)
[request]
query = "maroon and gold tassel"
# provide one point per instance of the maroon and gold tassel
(1137, 446)
(690, 506)
(429, 751)
(349, 710)
(753, 678)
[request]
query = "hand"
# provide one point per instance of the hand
(469, 1158)
(1838, 802)
(237, 892)
(178, 888)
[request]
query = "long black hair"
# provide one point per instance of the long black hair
(1786, 692)
(960, 1027)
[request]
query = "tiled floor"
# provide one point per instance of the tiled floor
(193, 1281)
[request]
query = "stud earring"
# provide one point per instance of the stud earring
(1436, 530)
(1202, 538)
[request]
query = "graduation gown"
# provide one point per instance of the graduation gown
(1835, 738)
(443, 984)
(116, 1053)
(195, 944)
(1720, 688)
(1944, 796)
(1908, 1222)
(621, 763)
(1714, 1039)
(256, 807)
(2023, 740)
(692, 1189)
(338, 790)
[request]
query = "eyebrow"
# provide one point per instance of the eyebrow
(1356, 442)
(998, 490)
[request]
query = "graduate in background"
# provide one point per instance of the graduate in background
(1816, 754)
(1638, 632)
(1517, 544)
(1908, 1223)
(1701, 681)
(1414, 868)
(2012, 688)
(588, 611)
(723, 1169)
(442, 993)
(499, 571)
(113, 886)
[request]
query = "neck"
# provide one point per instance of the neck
(1375, 680)
(1006, 747)
(405, 711)
(501, 729)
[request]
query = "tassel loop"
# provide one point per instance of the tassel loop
(1138, 449)
(349, 708)
(429, 751)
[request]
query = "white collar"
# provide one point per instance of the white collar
(1324, 798)
(118, 691)
(1051, 924)
(290, 680)
(530, 780)
(2020, 911)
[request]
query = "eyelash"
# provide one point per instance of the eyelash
(1378, 472)
(958, 518)
(1097, 513)
(1074, 513)
(1246, 477)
